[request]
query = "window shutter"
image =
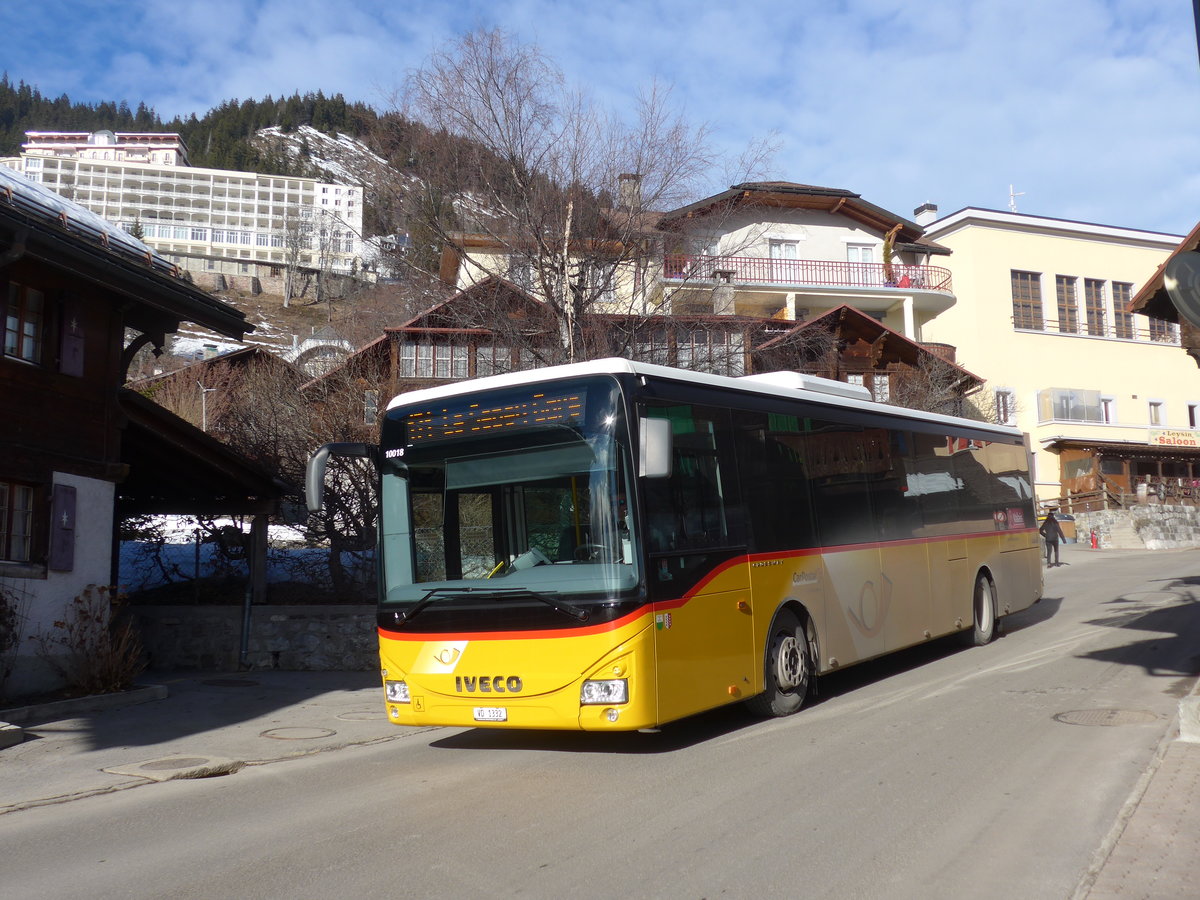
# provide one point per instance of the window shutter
(70, 360)
(62, 529)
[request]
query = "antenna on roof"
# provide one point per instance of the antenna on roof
(1012, 198)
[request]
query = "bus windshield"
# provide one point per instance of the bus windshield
(519, 496)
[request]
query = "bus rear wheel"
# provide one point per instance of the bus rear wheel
(787, 667)
(984, 606)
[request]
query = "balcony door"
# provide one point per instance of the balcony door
(863, 270)
(784, 266)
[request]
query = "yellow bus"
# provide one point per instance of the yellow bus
(613, 545)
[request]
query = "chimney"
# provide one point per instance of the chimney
(925, 214)
(723, 293)
(629, 189)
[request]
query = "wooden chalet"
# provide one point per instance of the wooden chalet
(82, 297)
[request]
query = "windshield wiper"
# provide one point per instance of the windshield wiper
(436, 594)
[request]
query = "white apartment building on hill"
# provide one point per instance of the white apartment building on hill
(197, 217)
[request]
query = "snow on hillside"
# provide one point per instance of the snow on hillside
(343, 159)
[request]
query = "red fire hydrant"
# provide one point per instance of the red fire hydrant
(1095, 540)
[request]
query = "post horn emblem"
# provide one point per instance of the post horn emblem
(447, 656)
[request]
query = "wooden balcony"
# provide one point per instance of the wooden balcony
(797, 273)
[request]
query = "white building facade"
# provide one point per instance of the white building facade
(1109, 399)
(187, 213)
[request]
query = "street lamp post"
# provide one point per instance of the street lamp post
(204, 392)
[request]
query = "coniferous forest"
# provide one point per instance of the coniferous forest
(218, 140)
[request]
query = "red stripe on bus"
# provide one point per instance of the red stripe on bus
(678, 602)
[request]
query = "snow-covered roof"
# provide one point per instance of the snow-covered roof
(37, 200)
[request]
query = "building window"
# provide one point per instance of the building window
(858, 253)
(1069, 405)
(1108, 410)
(1193, 414)
(881, 387)
(1122, 319)
(428, 360)
(1094, 303)
(370, 407)
(1068, 304)
(493, 360)
(1162, 330)
(1027, 300)
(23, 323)
(1157, 413)
(654, 347)
(715, 352)
(1006, 407)
(16, 522)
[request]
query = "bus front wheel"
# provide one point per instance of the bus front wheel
(787, 667)
(984, 605)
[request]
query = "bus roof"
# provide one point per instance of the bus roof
(788, 385)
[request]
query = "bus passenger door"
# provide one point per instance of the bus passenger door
(696, 567)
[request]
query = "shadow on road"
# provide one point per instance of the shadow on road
(202, 702)
(1170, 614)
(1042, 611)
(730, 719)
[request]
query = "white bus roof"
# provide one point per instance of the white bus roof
(788, 385)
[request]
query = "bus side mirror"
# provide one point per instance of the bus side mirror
(314, 476)
(654, 448)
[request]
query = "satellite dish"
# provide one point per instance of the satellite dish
(1181, 278)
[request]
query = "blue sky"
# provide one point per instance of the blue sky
(1089, 108)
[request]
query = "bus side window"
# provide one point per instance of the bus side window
(692, 509)
(770, 448)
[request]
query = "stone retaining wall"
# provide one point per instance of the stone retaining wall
(1155, 526)
(316, 638)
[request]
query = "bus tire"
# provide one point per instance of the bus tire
(787, 667)
(983, 605)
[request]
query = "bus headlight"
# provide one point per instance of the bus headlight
(613, 691)
(396, 691)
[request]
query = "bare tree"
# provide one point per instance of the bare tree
(297, 242)
(934, 385)
(518, 176)
(258, 410)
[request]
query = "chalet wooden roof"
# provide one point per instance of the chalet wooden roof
(174, 467)
(854, 325)
(1152, 299)
(790, 195)
(39, 224)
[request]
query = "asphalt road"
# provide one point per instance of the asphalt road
(993, 772)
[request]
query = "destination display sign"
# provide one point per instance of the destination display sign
(468, 419)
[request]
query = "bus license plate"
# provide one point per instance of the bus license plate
(491, 714)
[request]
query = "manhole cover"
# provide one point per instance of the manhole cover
(230, 682)
(1106, 717)
(362, 715)
(169, 768)
(298, 733)
(179, 762)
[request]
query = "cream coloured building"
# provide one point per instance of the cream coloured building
(198, 217)
(1110, 401)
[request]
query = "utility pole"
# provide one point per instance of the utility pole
(204, 392)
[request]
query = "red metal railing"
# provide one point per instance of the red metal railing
(786, 272)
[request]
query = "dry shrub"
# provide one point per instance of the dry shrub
(93, 648)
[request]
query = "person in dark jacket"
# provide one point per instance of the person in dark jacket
(1052, 532)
